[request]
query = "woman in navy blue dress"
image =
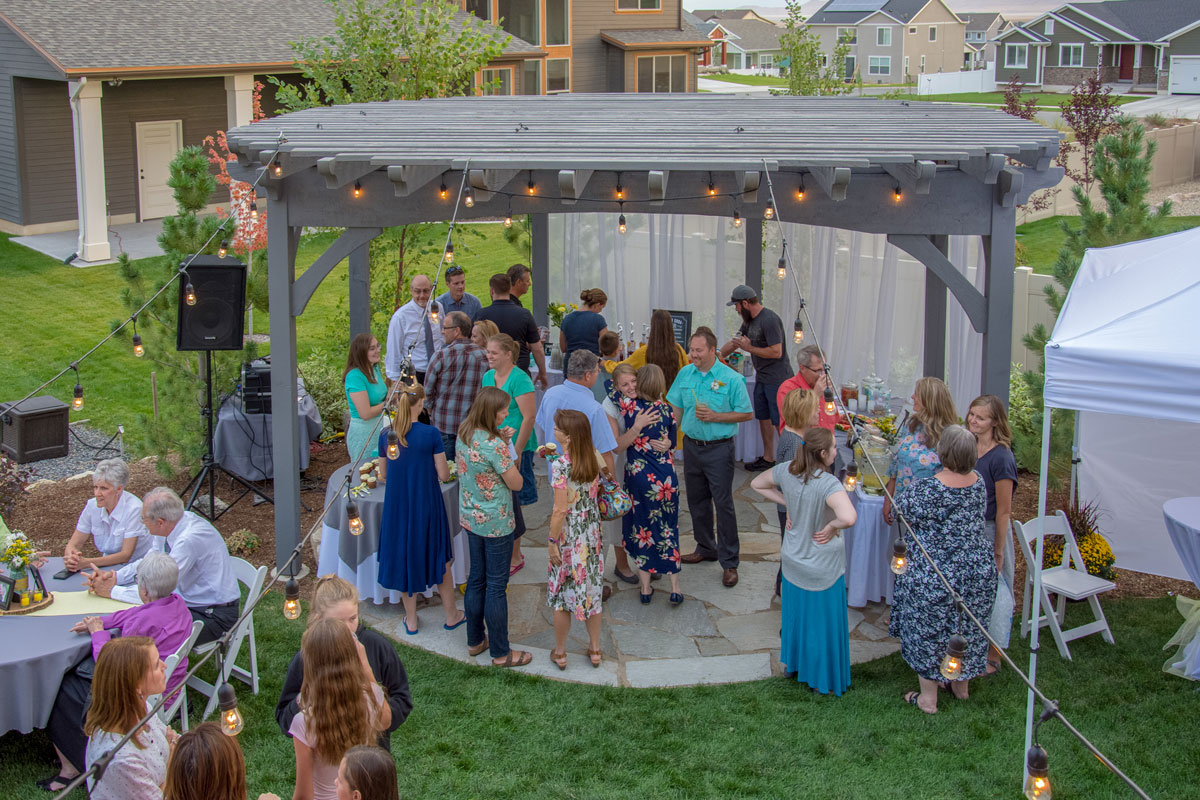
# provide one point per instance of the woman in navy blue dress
(651, 529)
(414, 537)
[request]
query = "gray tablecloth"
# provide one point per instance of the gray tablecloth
(36, 653)
(242, 442)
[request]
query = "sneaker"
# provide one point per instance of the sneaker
(761, 465)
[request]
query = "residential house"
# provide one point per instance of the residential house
(743, 44)
(982, 30)
(718, 14)
(1150, 45)
(891, 40)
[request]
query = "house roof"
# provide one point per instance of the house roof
(981, 22)
(1021, 30)
(105, 37)
(652, 37)
(704, 26)
(852, 12)
(723, 14)
(752, 35)
(1142, 20)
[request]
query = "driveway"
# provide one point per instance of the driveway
(1169, 105)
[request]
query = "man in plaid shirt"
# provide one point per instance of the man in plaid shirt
(454, 377)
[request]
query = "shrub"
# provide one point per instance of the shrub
(1093, 547)
(13, 480)
(242, 543)
(323, 379)
(1023, 417)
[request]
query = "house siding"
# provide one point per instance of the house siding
(590, 70)
(47, 151)
(1029, 75)
(944, 55)
(19, 60)
(1055, 74)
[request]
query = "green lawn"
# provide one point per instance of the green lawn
(54, 313)
(1043, 99)
(748, 80)
(481, 732)
(1042, 239)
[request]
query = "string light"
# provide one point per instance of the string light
(138, 349)
(358, 190)
(769, 211)
(253, 210)
(830, 405)
(783, 262)
(508, 214)
(442, 191)
(712, 187)
(433, 313)
(223, 250)
(896, 193)
(189, 292)
(353, 521)
(77, 401)
(899, 562)
(291, 603)
(737, 220)
(393, 447)
(851, 480)
(952, 662)
(798, 331)
(277, 168)
(1037, 782)
(231, 720)
(448, 256)
(531, 187)
(800, 189)
(469, 199)
(620, 188)
(621, 226)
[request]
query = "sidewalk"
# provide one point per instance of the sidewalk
(138, 239)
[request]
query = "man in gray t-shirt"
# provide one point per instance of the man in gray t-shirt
(762, 336)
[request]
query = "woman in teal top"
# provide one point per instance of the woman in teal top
(365, 394)
(502, 352)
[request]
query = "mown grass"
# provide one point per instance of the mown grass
(748, 80)
(1042, 239)
(480, 732)
(1050, 100)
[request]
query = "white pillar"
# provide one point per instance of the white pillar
(91, 200)
(239, 100)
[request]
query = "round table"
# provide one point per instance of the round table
(1182, 515)
(36, 653)
(869, 577)
(355, 557)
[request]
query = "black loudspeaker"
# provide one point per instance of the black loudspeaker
(215, 322)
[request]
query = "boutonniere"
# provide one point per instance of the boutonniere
(716, 385)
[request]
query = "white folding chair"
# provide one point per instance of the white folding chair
(1070, 581)
(253, 579)
(179, 701)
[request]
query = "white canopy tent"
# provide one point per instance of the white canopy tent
(1125, 344)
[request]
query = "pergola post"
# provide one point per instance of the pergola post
(1000, 257)
(540, 237)
(360, 290)
(934, 362)
(282, 242)
(754, 240)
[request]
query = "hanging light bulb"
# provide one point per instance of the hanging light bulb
(737, 220)
(782, 268)
(798, 331)
(469, 198)
(800, 190)
(769, 211)
(253, 210)
(393, 448)
(508, 220)
(712, 188)
(1037, 783)
(357, 191)
(851, 480)
(830, 405)
(353, 521)
(621, 226)
(896, 193)
(77, 402)
(448, 256)
(433, 314)
(138, 349)
(620, 192)
(277, 169)
(952, 662)
(531, 187)
(223, 250)
(231, 720)
(291, 602)
(899, 562)
(189, 294)
(442, 192)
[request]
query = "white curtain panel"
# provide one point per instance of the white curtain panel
(865, 298)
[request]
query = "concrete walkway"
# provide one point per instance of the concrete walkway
(717, 635)
(138, 239)
(1169, 105)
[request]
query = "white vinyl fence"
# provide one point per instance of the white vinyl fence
(976, 80)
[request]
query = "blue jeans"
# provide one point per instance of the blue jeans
(448, 442)
(486, 601)
(528, 495)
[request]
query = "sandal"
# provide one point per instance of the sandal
(559, 659)
(911, 699)
(626, 578)
(455, 625)
(479, 648)
(596, 656)
(409, 630)
(513, 570)
(519, 661)
(993, 667)
(48, 783)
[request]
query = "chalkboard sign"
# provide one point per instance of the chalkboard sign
(681, 324)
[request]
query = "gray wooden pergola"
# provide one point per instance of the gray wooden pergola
(959, 171)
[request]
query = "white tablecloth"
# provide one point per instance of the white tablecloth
(1182, 516)
(747, 442)
(868, 553)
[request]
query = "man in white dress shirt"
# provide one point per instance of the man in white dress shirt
(411, 324)
(206, 579)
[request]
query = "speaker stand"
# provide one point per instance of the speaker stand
(210, 468)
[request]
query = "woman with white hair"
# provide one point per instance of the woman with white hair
(113, 520)
(163, 616)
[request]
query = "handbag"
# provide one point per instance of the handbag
(614, 502)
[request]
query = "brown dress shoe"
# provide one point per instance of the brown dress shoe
(729, 576)
(695, 557)
(605, 593)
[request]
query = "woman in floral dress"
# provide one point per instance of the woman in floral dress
(574, 546)
(651, 530)
(916, 456)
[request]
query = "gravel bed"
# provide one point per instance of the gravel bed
(84, 452)
(1186, 204)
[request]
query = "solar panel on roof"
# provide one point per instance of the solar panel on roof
(856, 5)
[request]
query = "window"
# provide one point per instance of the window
(906, 65)
(1016, 56)
(481, 9)
(558, 22)
(558, 75)
(1070, 55)
(879, 65)
(639, 5)
(933, 33)
(824, 60)
(766, 61)
(520, 18)
(975, 36)
(913, 29)
(1049, 29)
(847, 35)
(922, 65)
(497, 81)
(883, 37)
(662, 74)
(531, 77)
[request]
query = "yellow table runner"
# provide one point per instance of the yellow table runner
(68, 604)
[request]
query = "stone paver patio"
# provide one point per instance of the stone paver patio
(717, 635)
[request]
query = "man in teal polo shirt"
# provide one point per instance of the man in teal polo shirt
(710, 400)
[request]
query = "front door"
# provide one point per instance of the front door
(1125, 67)
(157, 144)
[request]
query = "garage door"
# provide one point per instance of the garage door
(1185, 75)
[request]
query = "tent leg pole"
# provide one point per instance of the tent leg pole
(1035, 604)
(1073, 498)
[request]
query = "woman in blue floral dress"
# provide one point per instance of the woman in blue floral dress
(651, 529)
(916, 456)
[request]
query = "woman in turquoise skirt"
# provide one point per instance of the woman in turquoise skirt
(366, 393)
(814, 633)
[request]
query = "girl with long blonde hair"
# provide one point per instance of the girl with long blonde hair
(341, 706)
(916, 456)
(799, 411)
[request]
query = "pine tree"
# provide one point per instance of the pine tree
(179, 428)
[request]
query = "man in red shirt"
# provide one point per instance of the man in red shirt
(810, 375)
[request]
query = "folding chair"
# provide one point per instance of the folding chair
(179, 701)
(1070, 581)
(253, 579)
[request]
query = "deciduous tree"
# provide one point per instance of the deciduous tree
(808, 71)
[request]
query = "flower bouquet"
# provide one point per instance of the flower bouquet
(556, 312)
(17, 553)
(453, 465)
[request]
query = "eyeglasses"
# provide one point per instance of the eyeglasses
(449, 327)
(818, 371)
(453, 271)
